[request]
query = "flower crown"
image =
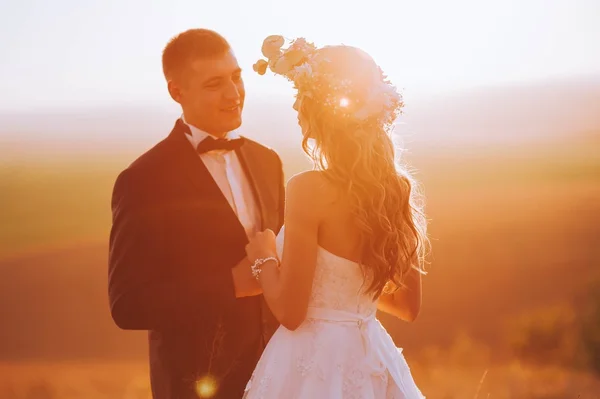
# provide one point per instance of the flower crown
(299, 64)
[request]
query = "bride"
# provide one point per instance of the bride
(354, 236)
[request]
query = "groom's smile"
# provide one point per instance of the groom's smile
(232, 111)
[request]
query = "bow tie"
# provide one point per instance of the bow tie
(211, 144)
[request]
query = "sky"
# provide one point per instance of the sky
(79, 53)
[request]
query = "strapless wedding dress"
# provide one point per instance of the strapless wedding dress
(340, 351)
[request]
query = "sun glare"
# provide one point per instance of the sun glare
(344, 102)
(206, 387)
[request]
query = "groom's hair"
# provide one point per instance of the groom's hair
(188, 46)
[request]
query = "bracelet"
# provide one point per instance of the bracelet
(257, 265)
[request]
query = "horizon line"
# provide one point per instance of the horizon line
(417, 94)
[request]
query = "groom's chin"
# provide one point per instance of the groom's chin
(234, 124)
(231, 121)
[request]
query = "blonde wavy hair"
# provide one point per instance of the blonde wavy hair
(357, 155)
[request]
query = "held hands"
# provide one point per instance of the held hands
(262, 245)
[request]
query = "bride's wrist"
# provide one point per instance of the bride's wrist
(263, 255)
(258, 263)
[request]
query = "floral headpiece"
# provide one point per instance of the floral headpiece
(299, 63)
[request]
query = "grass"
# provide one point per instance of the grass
(70, 380)
(511, 381)
(98, 380)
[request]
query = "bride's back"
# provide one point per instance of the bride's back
(338, 232)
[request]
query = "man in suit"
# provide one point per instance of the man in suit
(182, 215)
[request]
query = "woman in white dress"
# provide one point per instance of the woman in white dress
(354, 236)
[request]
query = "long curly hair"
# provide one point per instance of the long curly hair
(358, 156)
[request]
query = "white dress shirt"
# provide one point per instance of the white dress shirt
(228, 173)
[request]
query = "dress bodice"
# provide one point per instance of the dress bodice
(338, 283)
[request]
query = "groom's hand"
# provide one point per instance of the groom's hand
(243, 281)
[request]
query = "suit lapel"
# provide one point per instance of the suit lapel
(198, 174)
(191, 164)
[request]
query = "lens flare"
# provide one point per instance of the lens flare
(206, 387)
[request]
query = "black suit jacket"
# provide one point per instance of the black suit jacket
(173, 242)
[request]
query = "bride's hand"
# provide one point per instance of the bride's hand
(261, 246)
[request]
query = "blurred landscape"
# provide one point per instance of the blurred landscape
(511, 306)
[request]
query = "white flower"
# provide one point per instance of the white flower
(303, 71)
(299, 44)
(260, 67)
(282, 66)
(271, 47)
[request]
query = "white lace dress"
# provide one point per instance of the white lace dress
(340, 351)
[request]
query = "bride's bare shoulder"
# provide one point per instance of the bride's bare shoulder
(308, 176)
(312, 180)
(311, 188)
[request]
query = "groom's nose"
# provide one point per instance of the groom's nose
(231, 91)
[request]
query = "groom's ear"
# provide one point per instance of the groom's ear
(174, 91)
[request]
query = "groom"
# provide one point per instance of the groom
(182, 215)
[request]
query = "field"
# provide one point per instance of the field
(100, 380)
(515, 234)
